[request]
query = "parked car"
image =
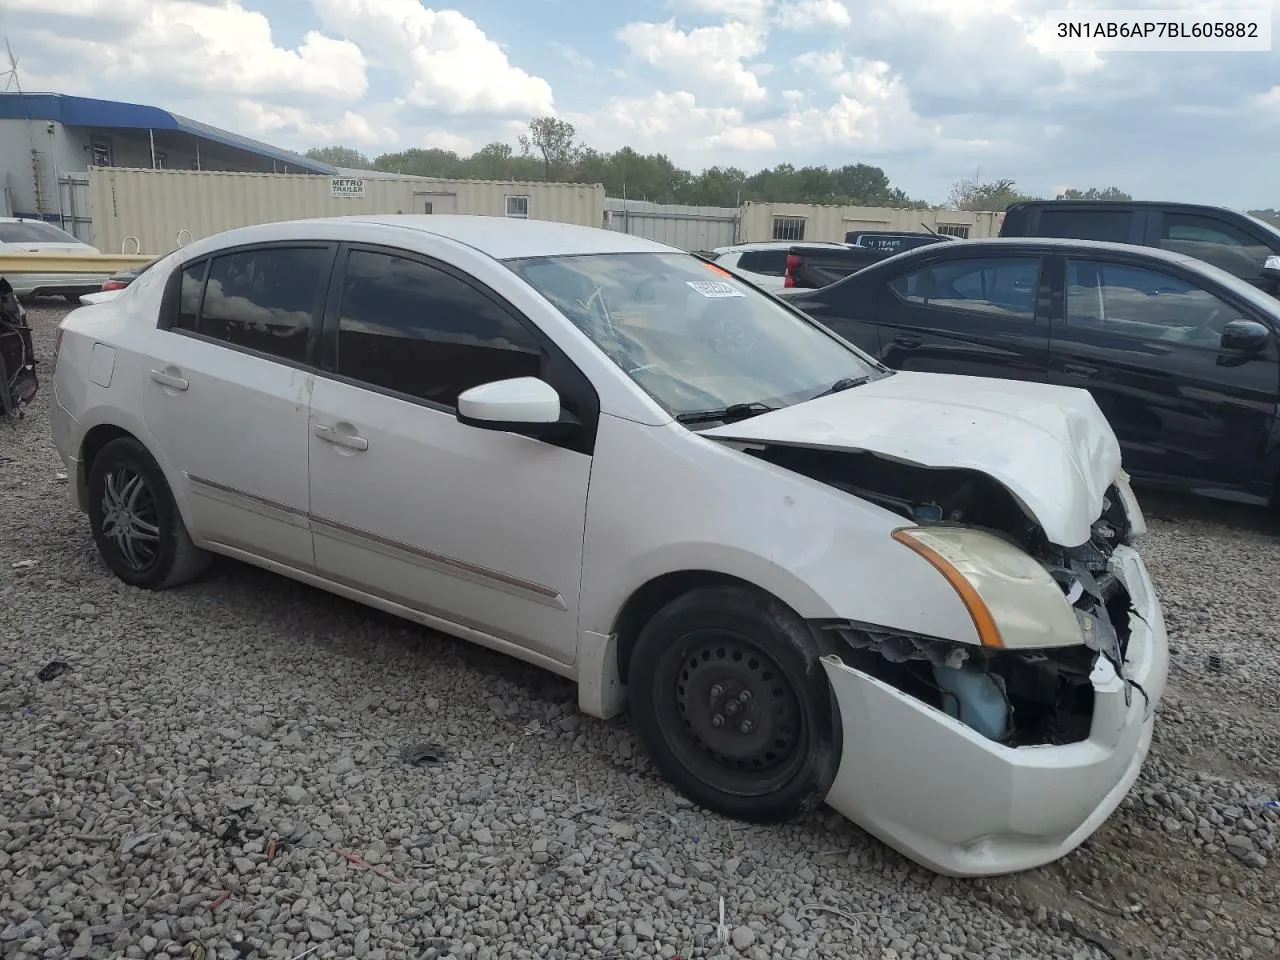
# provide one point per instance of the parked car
(764, 263)
(1239, 243)
(809, 576)
(888, 241)
(18, 235)
(112, 286)
(18, 380)
(1181, 356)
(811, 267)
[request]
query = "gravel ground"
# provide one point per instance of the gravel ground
(218, 774)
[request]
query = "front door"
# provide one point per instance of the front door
(1215, 240)
(227, 391)
(478, 528)
(981, 316)
(1146, 342)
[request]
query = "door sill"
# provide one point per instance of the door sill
(426, 618)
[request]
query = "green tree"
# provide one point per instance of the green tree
(551, 151)
(975, 195)
(341, 157)
(431, 162)
(554, 140)
(1093, 193)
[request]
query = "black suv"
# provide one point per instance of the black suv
(1237, 242)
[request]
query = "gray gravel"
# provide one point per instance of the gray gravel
(219, 774)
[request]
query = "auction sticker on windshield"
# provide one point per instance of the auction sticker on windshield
(714, 289)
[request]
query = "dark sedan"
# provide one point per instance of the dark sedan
(1181, 356)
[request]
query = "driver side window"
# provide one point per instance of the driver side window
(407, 327)
(1145, 304)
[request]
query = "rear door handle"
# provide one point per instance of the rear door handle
(1079, 370)
(170, 380)
(348, 440)
(907, 340)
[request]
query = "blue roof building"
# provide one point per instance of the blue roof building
(49, 140)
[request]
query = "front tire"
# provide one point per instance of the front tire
(728, 693)
(135, 522)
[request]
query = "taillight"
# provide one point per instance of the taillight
(114, 285)
(57, 345)
(793, 264)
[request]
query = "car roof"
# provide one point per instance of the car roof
(1042, 243)
(503, 238)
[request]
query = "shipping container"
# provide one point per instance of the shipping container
(810, 221)
(156, 211)
(686, 227)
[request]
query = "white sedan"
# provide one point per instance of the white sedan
(915, 597)
(21, 235)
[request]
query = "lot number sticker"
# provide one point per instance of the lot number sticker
(714, 289)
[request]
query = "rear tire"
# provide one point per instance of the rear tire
(728, 693)
(135, 522)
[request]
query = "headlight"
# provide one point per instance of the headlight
(1013, 600)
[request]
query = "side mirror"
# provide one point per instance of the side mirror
(1246, 336)
(524, 405)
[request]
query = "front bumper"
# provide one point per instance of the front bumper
(963, 805)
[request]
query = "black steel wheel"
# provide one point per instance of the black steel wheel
(727, 692)
(135, 522)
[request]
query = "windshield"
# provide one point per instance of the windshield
(33, 231)
(694, 337)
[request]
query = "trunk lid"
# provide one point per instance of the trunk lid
(1050, 446)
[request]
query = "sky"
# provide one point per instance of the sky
(932, 91)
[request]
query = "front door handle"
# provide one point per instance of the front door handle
(908, 341)
(173, 381)
(348, 440)
(1079, 370)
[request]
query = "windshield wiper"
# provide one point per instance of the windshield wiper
(845, 383)
(729, 414)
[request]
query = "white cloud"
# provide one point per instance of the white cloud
(663, 120)
(873, 108)
(814, 15)
(748, 10)
(450, 64)
(187, 45)
(350, 129)
(710, 59)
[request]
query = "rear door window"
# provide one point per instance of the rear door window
(770, 263)
(1109, 225)
(263, 299)
(1002, 287)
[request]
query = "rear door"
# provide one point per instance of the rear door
(1145, 340)
(984, 315)
(229, 380)
(764, 268)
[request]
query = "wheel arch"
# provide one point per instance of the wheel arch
(96, 437)
(656, 593)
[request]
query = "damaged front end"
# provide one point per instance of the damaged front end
(1016, 697)
(18, 381)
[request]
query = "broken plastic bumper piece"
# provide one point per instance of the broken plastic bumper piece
(954, 800)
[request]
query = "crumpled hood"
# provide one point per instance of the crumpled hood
(1050, 446)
